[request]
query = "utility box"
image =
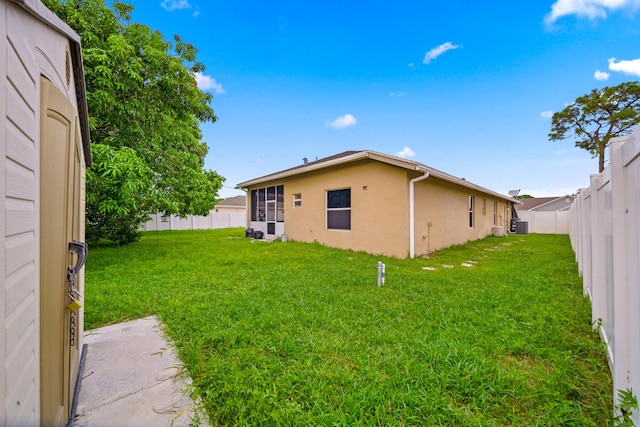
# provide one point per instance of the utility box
(522, 227)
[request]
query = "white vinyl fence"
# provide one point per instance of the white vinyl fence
(193, 222)
(550, 222)
(605, 235)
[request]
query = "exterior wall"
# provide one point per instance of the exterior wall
(20, 293)
(442, 215)
(28, 49)
(379, 207)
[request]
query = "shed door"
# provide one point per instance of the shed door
(61, 169)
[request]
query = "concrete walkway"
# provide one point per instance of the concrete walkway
(132, 378)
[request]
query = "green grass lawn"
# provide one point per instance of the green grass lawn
(300, 334)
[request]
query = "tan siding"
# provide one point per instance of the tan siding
(19, 252)
(20, 148)
(18, 74)
(19, 286)
(20, 183)
(18, 112)
(20, 367)
(18, 323)
(20, 128)
(3, 153)
(17, 366)
(22, 397)
(20, 216)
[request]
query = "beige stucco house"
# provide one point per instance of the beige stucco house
(373, 202)
(44, 145)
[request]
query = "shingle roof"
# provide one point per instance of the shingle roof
(234, 201)
(352, 156)
(532, 202)
(312, 163)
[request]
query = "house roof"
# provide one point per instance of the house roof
(240, 201)
(532, 202)
(353, 156)
(42, 13)
(536, 202)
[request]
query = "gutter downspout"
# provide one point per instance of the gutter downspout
(412, 225)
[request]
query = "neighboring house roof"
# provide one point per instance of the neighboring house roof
(546, 203)
(532, 202)
(238, 201)
(40, 11)
(353, 156)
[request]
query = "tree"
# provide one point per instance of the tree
(119, 180)
(593, 119)
(145, 105)
(523, 196)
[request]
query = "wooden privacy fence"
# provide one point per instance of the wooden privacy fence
(605, 235)
(193, 222)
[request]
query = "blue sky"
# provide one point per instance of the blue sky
(464, 87)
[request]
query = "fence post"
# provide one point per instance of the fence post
(620, 286)
(598, 296)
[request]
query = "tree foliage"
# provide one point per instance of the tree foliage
(593, 119)
(120, 181)
(145, 105)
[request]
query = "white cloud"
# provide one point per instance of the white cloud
(196, 13)
(397, 94)
(342, 122)
(406, 152)
(601, 75)
(628, 67)
(437, 51)
(560, 152)
(546, 114)
(591, 9)
(208, 82)
(171, 5)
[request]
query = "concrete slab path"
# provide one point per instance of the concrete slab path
(132, 378)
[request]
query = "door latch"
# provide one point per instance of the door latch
(80, 248)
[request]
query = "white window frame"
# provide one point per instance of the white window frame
(297, 200)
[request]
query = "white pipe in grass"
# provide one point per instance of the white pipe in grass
(381, 271)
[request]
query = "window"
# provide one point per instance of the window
(258, 205)
(470, 211)
(280, 203)
(267, 204)
(297, 200)
(484, 207)
(261, 205)
(254, 205)
(339, 209)
(495, 213)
